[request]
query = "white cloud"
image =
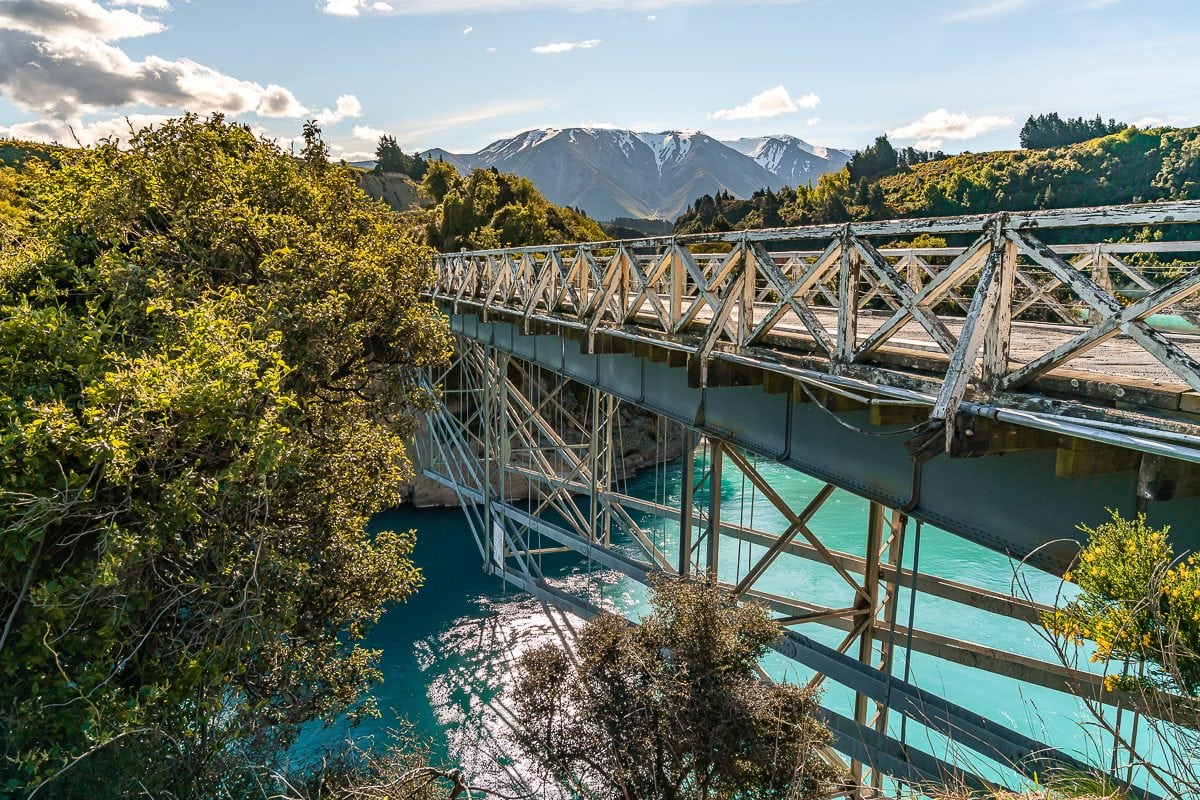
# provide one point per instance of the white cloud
(651, 18)
(564, 47)
(347, 106)
(468, 29)
(278, 101)
(1171, 120)
(770, 103)
(352, 8)
(932, 129)
(490, 49)
(813, 121)
(59, 60)
(367, 133)
(57, 20)
(157, 5)
(87, 134)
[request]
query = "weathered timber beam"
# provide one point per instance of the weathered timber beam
(1185, 212)
(1083, 457)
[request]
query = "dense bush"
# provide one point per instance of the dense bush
(208, 353)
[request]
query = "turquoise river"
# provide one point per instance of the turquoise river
(447, 654)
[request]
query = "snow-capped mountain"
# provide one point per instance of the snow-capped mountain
(793, 159)
(619, 173)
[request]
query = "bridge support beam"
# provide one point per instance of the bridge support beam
(686, 501)
(548, 485)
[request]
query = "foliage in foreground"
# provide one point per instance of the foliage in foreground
(208, 351)
(1137, 602)
(672, 708)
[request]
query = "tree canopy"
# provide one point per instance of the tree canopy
(1051, 130)
(873, 161)
(390, 158)
(487, 208)
(209, 353)
(1129, 166)
(672, 708)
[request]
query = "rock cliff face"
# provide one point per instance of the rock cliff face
(640, 441)
(398, 191)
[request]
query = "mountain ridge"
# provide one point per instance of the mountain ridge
(614, 172)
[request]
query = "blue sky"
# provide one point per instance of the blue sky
(461, 73)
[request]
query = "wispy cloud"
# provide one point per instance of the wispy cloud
(770, 103)
(935, 127)
(996, 8)
(156, 5)
(468, 29)
(564, 47)
(353, 8)
(418, 135)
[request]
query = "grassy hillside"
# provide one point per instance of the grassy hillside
(1131, 166)
(14, 153)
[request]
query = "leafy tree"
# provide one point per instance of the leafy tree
(438, 180)
(209, 353)
(873, 161)
(390, 158)
(488, 208)
(388, 155)
(672, 708)
(1051, 130)
(1139, 605)
(1137, 601)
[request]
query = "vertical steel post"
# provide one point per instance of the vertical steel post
(485, 386)
(867, 603)
(714, 507)
(606, 478)
(686, 501)
(848, 290)
(594, 445)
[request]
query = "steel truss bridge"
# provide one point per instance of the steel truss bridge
(1005, 387)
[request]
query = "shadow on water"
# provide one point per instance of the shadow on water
(448, 654)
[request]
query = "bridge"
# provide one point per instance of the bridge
(1010, 379)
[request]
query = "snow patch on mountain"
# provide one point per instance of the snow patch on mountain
(668, 146)
(608, 173)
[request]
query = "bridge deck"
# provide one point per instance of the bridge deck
(1119, 360)
(998, 391)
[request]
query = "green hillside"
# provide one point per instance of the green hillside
(488, 209)
(1132, 166)
(14, 153)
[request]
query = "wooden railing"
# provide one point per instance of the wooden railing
(957, 303)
